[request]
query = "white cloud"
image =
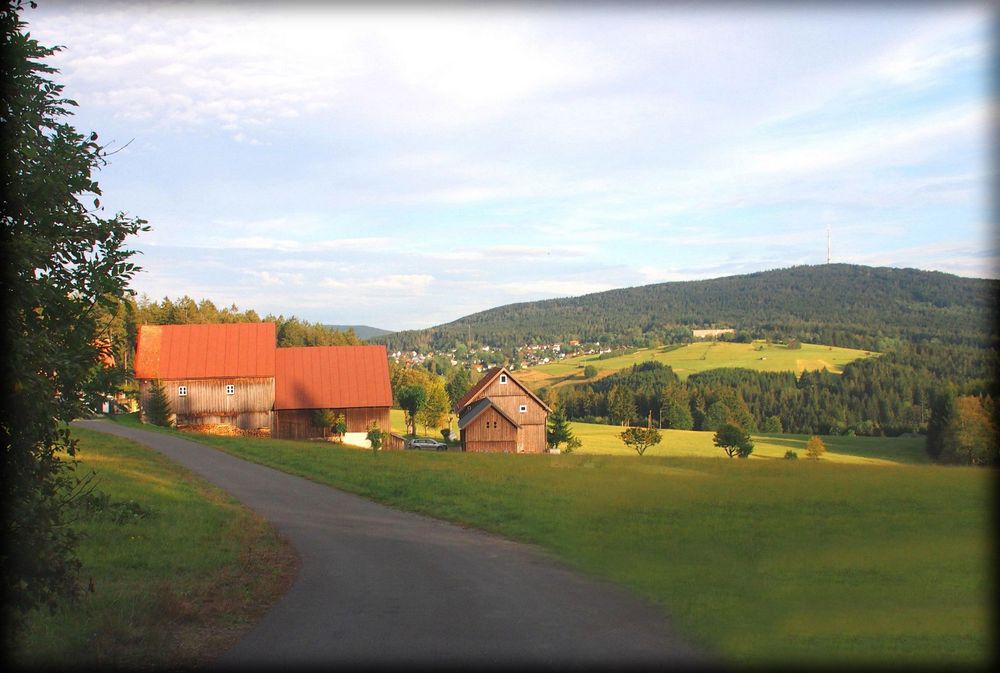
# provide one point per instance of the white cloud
(925, 57)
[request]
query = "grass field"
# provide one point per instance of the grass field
(179, 570)
(604, 439)
(698, 357)
(760, 561)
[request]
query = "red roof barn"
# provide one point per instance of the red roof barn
(211, 374)
(350, 380)
(234, 373)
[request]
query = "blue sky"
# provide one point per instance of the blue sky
(402, 167)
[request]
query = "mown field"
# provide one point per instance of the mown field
(176, 570)
(605, 439)
(699, 357)
(760, 561)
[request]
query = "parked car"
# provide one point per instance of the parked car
(428, 444)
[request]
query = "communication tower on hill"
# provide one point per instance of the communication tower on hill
(828, 244)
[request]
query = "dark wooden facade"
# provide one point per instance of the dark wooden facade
(298, 423)
(207, 402)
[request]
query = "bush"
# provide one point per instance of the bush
(791, 455)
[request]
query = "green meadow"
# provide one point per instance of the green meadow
(867, 558)
(698, 357)
(174, 569)
(605, 439)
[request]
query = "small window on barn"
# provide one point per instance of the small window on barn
(503, 378)
(230, 389)
(182, 391)
(523, 408)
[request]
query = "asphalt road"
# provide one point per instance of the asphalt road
(381, 587)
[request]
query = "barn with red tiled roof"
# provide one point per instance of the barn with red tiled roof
(211, 374)
(349, 380)
(235, 374)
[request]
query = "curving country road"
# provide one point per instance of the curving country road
(379, 586)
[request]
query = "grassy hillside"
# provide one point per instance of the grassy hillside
(168, 559)
(361, 331)
(762, 562)
(699, 357)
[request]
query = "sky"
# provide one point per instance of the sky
(403, 166)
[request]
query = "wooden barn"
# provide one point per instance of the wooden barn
(350, 380)
(212, 374)
(500, 415)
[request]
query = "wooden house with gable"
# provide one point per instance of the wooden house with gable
(212, 374)
(500, 415)
(350, 380)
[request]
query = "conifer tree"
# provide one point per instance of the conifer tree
(157, 409)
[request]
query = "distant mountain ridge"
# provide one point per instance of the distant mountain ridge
(361, 331)
(836, 304)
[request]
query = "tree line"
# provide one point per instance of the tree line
(835, 304)
(917, 389)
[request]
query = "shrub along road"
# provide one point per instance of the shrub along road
(378, 586)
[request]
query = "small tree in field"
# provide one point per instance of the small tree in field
(815, 447)
(641, 439)
(733, 440)
(158, 406)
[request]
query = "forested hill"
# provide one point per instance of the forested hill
(834, 304)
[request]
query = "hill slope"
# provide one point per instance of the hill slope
(361, 331)
(837, 304)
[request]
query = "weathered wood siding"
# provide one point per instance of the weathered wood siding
(206, 402)
(490, 433)
(298, 423)
(532, 438)
(510, 397)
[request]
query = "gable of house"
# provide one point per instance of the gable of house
(497, 383)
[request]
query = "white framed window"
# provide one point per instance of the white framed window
(503, 379)
(230, 389)
(182, 391)
(523, 408)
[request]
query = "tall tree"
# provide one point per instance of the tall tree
(621, 405)
(434, 408)
(60, 260)
(411, 398)
(459, 383)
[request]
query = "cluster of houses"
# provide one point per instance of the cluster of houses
(480, 359)
(235, 374)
